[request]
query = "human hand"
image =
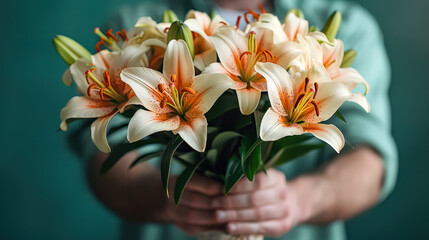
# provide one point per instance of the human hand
(267, 206)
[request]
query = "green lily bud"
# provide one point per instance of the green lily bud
(349, 58)
(313, 29)
(297, 13)
(69, 49)
(169, 16)
(332, 25)
(179, 30)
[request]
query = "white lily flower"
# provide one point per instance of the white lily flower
(104, 93)
(176, 100)
(300, 103)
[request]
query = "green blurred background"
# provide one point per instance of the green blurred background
(43, 194)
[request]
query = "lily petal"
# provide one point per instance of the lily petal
(280, 86)
(67, 80)
(144, 123)
(229, 44)
(77, 71)
(330, 96)
(273, 127)
(98, 132)
(85, 107)
(286, 52)
(327, 133)
(144, 82)
(205, 58)
(351, 78)
(208, 88)
(218, 68)
(134, 100)
(248, 100)
(102, 59)
(294, 25)
(360, 99)
(194, 132)
(178, 61)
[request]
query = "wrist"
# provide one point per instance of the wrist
(310, 193)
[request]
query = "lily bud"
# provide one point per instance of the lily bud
(297, 13)
(69, 49)
(349, 58)
(179, 30)
(332, 25)
(169, 16)
(313, 29)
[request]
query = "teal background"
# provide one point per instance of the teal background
(43, 191)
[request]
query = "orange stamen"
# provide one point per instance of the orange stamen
(316, 88)
(237, 23)
(188, 90)
(244, 54)
(92, 86)
(173, 77)
(161, 87)
(102, 93)
(110, 34)
(107, 78)
(269, 53)
(315, 108)
(163, 102)
(250, 11)
(306, 83)
(123, 35)
(97, 46)
(299, 99)
(166, 29)
(261, 8)
(224, 23)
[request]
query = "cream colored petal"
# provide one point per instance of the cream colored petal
(350, 78)
(102, 59)
(145, 123)
(202, 18)
(327, 133)
(67, 79)
(360, 99)
(205, 58)
(248, 100)
(218, 68)
(84, 107)
(294, 25)
(274, 127)
(98, 132)
(318, 73)
(329, 97)
(230, 44)
(285, 52)
(208, 88)
(77, 71)
(144, 82)
(281, 88)
(194, 132)
(178, 61)
(260, 85)
(134, 100)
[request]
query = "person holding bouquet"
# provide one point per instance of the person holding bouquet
(305, 199)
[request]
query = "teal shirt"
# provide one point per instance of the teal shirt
(359, 31)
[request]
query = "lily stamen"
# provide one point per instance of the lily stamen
(261, 8)
(254, 15)
(237, 23)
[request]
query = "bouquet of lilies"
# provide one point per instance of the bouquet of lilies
(223, 102)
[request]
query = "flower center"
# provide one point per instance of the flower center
(175, 99)
(104, 87)
(249, 58)
(304, 102)
(110, 39)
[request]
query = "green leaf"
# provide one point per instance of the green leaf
(144, 158)
(222, 138)
(225, 103)
(340, 116)
(250, 157)
(166, 158)
(291, 152)
(257, 117)
(234, 172)
(183, 180)
(120, 150)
